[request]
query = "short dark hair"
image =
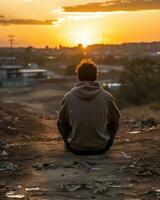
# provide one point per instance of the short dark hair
(86, 70)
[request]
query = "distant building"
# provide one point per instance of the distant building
(109, 84)
(33, 73)
(109, 68)
(33, 65)
(17, 75)
(154, 54)
(9, 71)
(7, 58)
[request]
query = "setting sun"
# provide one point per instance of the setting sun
(85, 42)
(84, 34)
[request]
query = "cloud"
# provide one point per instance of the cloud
(75, 16)
(115, 5)
(6, 21)
(2, 16)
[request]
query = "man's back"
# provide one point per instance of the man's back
(89, 110)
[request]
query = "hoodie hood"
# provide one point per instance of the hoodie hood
(86, 90)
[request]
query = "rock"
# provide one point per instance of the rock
(8, 167)
(3, 153)
(154, 193)
(146, 123)
(101, 190)
(134, 132)
(144, 172)
(31, 189)
(83, 164)
(2, 145)
(13, 195)
(75, 187)
(126, 156)
(44, 166)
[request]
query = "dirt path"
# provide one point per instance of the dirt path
(43, 163)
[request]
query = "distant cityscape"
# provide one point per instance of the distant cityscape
(29, 63)
(97, 52)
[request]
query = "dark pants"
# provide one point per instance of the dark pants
(65, 131)
(95, 152)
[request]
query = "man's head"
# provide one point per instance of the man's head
(86, 71)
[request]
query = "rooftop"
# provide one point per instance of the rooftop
(32, 70)
(11, 67)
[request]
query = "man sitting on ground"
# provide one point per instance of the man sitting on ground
(88, 119)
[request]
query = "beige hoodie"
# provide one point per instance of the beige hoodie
(88, 118)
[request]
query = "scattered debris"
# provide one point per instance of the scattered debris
(141, 124)
(74, 187)
(14, 120)
(127, 140)
(44, 166)
(31, 189)
(134, 132)
(35, 191)
(23, 193)
(132, 199)
(3, 146)
(142, 167)
(97, 187)
(8, 166)
(100, 190)
(109, 181)
(57, 138)
(23, 138)
(116, 186)
(83, 164)
(3, 153)
(14, 195)
(3, 149)
(144, 172)
(155, 193)
(126, 156)
(3, 189)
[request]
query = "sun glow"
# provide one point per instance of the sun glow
(84, 34)
(85, 42)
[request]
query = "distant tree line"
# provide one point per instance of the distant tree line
(140, 82)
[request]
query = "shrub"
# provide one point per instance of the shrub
(140, 82)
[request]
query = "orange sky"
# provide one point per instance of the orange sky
(71, 28)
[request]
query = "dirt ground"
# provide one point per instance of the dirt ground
(37, 167)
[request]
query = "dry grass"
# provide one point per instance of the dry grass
(142, 112)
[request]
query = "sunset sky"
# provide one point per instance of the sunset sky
(70, 22)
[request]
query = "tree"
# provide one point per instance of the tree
(70, 70)
(140, 82)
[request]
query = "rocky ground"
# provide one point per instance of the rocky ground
(35, 166)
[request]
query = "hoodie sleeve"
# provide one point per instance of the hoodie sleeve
(113, 119)
(63, 121)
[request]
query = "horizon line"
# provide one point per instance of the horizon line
(73, 46)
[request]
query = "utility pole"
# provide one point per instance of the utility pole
(11, 40)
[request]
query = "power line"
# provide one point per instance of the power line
(11, 40)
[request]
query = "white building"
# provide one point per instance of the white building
(9, 71)
(17, 75)
(109, 68)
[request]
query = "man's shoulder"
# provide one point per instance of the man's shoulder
(107, 95)
(68, 96)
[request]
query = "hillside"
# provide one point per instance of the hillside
(34, 164)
